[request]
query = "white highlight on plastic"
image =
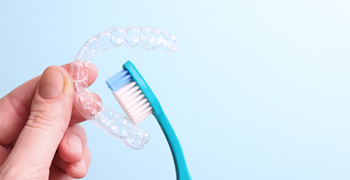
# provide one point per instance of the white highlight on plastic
(136, 108)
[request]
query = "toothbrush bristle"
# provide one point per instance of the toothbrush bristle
(130, 96)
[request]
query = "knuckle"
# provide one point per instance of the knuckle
(41, 120)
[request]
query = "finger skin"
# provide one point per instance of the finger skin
(79, 169)
(57, 174)
(73, 169)
(49, 117)
(4, 152)
(59, 162)
(69, 152)
(15, 106)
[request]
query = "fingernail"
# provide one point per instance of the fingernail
(75, 143)
(80, 165)
(51, 84)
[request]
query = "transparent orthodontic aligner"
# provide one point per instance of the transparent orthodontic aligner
(107, 119)
(142, 38)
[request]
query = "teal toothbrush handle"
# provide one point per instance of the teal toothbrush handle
(182, 172)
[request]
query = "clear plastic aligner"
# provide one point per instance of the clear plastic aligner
(89, 105)
(121, 127)
(142, 38)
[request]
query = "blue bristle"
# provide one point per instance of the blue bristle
(118, 80)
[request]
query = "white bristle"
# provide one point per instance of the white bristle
(126, 87)
(139, 109)
(129, 92)
(133, 102)
(141, 118)
(138, 105)
(142, 113)
(133, 95)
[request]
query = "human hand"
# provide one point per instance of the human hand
(39, 134)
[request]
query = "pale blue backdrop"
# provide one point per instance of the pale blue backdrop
(258, 89)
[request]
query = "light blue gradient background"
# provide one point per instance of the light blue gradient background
(257, 89)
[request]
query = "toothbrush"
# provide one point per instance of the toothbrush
(138, 101)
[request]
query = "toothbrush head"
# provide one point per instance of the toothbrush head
(133, 93)
(138, 101)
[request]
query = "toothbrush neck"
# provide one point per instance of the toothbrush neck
(178, 156)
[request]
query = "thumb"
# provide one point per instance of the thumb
(49, 117)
